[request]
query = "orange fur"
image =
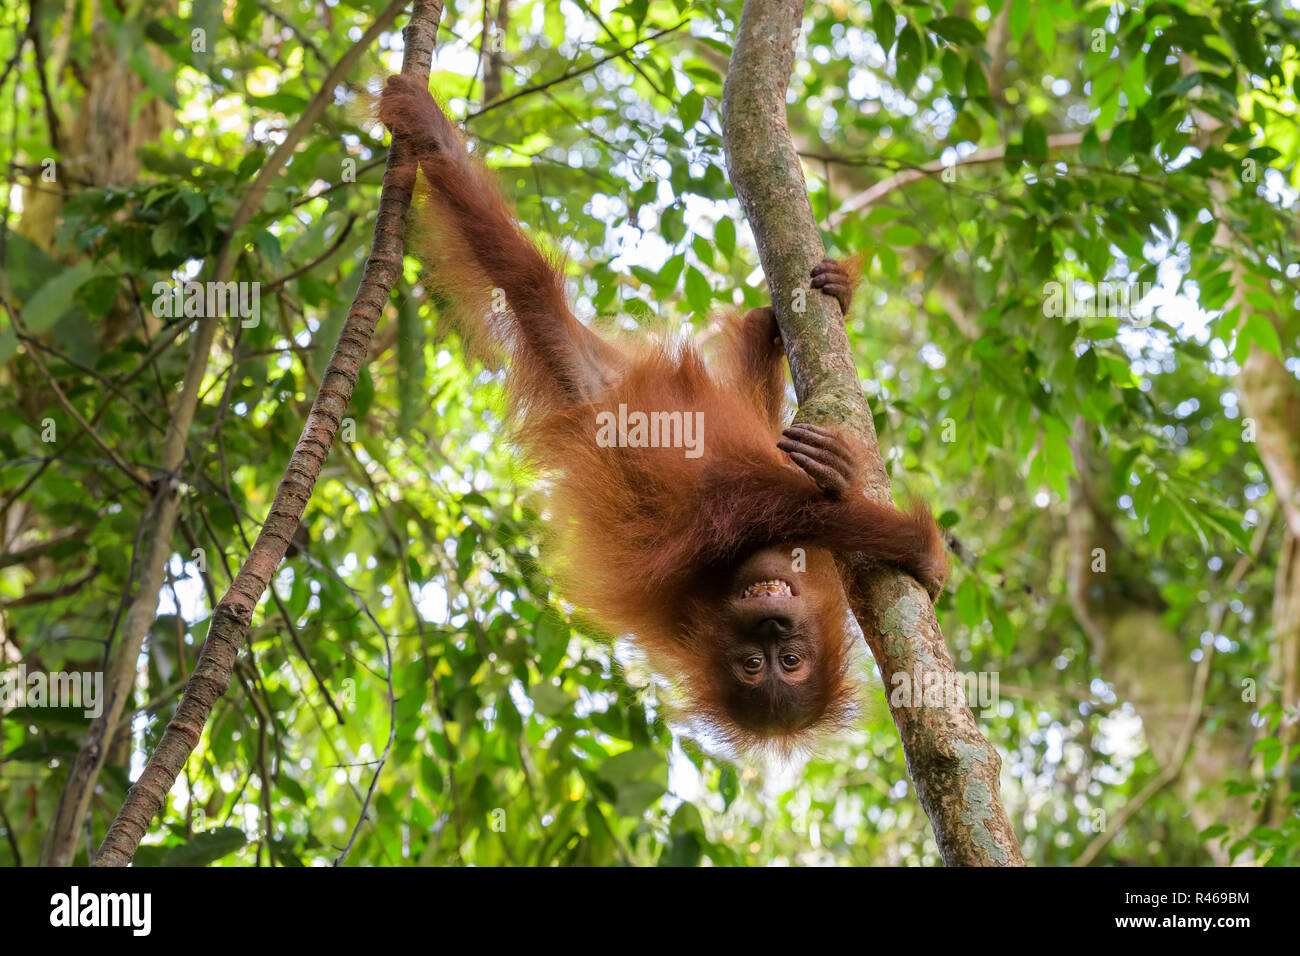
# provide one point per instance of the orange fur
(647, 539)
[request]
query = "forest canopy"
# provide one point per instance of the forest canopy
(1076, 234)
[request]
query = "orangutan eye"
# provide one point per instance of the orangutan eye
(753, 664)
(790, 661)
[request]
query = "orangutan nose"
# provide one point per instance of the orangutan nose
(773, 627)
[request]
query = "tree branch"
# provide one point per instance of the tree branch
(954, 769)
(573, 73)
(989, 154)
(233, 616)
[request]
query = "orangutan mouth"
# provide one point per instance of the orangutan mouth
(773, 588)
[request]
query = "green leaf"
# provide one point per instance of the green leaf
(900, 234)
(728, 786)
(1004, 635)
(550, 700)
(1245, 36)
(1085, 373)
(637, 796)
(691, 109)
(884, 22)
(635, 764)
(698, 293)
(1141, 137)
(1270, 748)
(1060, 462)
(1034, 139)
(977, 87)
(1018, 19)
(882, 214)
(888, 259)
(703, 250)
(666, 279)
(269, 245)
(163, 238)
(1117, 147)
(1260, 330)
(552, 636)
(8, 345)
(910, 58)
(724, 236)
(72, 719)
(1045, 32)
(958, 30)
(1159, 521)
(1090, 148)
(205, 847)
(53, 299)
(969, 602)
(950, 65)
(160, 82)
(685, 850)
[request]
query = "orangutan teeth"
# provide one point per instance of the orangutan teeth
(772, 588)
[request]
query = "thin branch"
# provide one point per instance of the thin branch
(103, 380)
(71, 409)
(52, 594)
(989, 154)
(575, 72)
(233, 616)
(307, 267)
(32, 552)
(161, 515)
(595, 15)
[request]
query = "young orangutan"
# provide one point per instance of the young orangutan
(683, 514)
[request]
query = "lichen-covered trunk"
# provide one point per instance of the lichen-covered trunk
(953, 767)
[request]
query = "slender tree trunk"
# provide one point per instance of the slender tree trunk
(494, 61)
(97, 145)
(232, 617)
(953, 767)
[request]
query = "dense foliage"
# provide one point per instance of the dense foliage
(414, 633)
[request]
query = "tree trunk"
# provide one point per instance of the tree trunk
(953, 767)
